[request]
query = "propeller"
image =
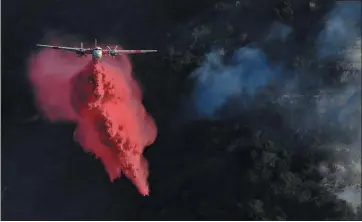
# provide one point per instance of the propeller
(81, 52)
(112, 52)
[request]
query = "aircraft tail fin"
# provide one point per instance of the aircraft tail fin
(81, 45)
(95, 42)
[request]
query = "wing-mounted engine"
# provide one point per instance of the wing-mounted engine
(80, 54)
(113, 52)
(82, 51)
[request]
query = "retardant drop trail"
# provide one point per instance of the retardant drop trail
(105, 101)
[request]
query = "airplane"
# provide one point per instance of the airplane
(97, 52)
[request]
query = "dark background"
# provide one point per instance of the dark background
(194, 175)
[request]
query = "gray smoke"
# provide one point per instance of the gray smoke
(320, 94)
(341, 39)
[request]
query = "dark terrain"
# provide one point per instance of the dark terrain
(248, 165)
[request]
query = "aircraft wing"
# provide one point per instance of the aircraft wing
(121, 51)
(88, 50)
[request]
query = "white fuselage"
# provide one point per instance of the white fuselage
(97, 53)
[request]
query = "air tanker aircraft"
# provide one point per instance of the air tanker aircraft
(97, 52)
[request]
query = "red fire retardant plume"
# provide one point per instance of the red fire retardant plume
(105, 102)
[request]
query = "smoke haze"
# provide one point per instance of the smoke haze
(312, 103)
